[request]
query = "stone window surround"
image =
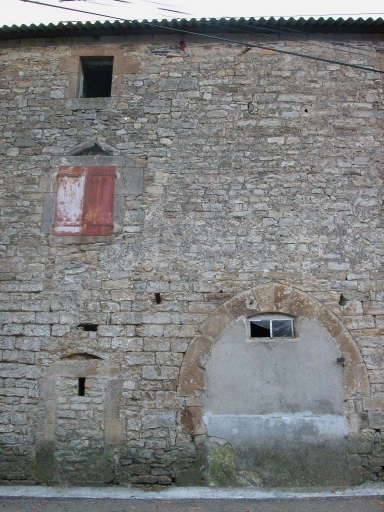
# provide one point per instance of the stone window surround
(84, 204)
(71, 65)
(129, 182)
(114, 432)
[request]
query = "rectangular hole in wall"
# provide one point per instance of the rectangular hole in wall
(81, 387)
(96, 77)
(88, 327)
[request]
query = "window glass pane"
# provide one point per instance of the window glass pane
(282, 329)
(260, 329)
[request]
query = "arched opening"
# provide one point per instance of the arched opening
(273, 411)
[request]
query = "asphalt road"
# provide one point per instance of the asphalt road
(339, 504)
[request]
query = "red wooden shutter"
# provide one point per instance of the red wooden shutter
(69, 201)
(98, 201)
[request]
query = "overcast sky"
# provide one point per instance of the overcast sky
(18, 12)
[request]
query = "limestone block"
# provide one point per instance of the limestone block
(114, 431)
(264, 297)
(362, 443)
(376, 419)
(192, 421)
(216, 324)
(244, 304)
(374, 402)
(126, 318)
(111, 330)
(36, 330)
(154, 418)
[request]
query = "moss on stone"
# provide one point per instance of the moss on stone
(221, 469)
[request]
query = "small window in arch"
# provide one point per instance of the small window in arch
(271, 326)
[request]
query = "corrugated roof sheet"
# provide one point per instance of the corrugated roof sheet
(98, 28)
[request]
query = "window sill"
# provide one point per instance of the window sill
(80, 239)
(269, 340)
(91, 103)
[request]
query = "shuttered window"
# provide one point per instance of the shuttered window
(84, 204)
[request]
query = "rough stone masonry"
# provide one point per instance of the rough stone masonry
(248, 184)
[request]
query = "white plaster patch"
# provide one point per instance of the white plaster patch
(259, 428)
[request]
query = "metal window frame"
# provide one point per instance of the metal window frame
(271, 318)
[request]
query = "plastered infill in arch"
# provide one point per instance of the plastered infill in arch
(267, 298)
(82, 364)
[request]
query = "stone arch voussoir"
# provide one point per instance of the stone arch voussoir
(266, 298)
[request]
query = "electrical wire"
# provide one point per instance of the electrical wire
(281, 30)
(163, 8)
(284, 30)
(277, 50)
(155, 3)
(248, 29)
(217, 38)
(323, 15)
(89, 1)
(266, 16)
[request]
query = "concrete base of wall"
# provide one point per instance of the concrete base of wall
(273, 450)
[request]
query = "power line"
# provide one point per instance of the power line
(296, 31)
(157, 3)
(163, 8)
(265, 15)
(217, 38)
(281, 30)
(323, 15)
(277, 50)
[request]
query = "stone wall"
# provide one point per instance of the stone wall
(237, 168)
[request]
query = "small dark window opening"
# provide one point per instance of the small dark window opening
(260, 329)
(88, 327)
(158, 298)
(96, 77)
(81, 388)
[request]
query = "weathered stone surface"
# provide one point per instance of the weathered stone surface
(362, 443)
(192, 421)
(374, 402)
(114, 431)
(216, 324)
(264, 298)
(244, 304)
(237, 194)
(191, 374)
